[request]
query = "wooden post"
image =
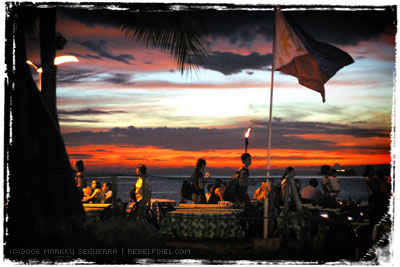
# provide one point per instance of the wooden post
(266, 206)
(271, 97)
(270, 129)
(294, 190)
(296, 199)
(271, 207)
(114, 190)
(286, 209)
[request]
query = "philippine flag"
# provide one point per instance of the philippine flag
(300, 55)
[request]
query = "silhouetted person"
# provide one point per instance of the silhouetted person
(216, 192)
(334, 185)
(143, 192)
(379, 198)
(311, 191)
(285, 183)
(83, 189)
(326, 187)
(369, 178)
(107, 192)
(261, 192)
(132, 194)
(97, 195)
(198, 184)
(243, 179)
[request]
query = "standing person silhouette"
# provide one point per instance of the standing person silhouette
(84, 190)
(243, 179)
(334, 185)
(326, 186)
(143, 192)
(198, 184)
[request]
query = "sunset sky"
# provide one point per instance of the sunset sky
(123, 104)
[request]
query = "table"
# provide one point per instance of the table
(159, 207)
(163, 202)
(200, 221)
(92, 210)
(95, 207)
(167, 202)
(202, 206)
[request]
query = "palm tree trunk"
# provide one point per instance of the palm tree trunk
(47, 55)
(43, 208)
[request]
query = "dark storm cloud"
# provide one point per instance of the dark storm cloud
(89, 17)
(87, 56)
(74, 75)
(92, 56)
(297, 158)
(87, 112)
(364, 148)
(240, 27)
(320, 128)
(196, 139)
(80, 156)
(119, 78)
(230, 63)
(326, 128)
(348, 27)
(83, 75)
(99, 48)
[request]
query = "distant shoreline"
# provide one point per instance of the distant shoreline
(183, 177)
(186, 171)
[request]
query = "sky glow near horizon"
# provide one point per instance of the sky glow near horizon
(118, 84)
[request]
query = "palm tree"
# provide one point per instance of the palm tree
(181, 33)
(47, 32)
(43, 206)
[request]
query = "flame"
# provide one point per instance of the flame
(247, 133)
(63, 59)
(33, 65)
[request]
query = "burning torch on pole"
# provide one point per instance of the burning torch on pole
(246, 139)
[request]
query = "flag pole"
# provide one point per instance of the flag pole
(271, 96)
(266, 200)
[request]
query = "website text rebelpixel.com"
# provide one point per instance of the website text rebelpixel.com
(98, 251)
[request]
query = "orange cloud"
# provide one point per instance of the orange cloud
(125, 158)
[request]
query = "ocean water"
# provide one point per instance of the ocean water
(167, 187)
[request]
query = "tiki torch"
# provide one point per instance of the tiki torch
(246, 139)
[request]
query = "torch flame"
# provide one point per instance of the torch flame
(247, 133)
(63, 59)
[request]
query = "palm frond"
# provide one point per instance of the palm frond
(182, 34)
